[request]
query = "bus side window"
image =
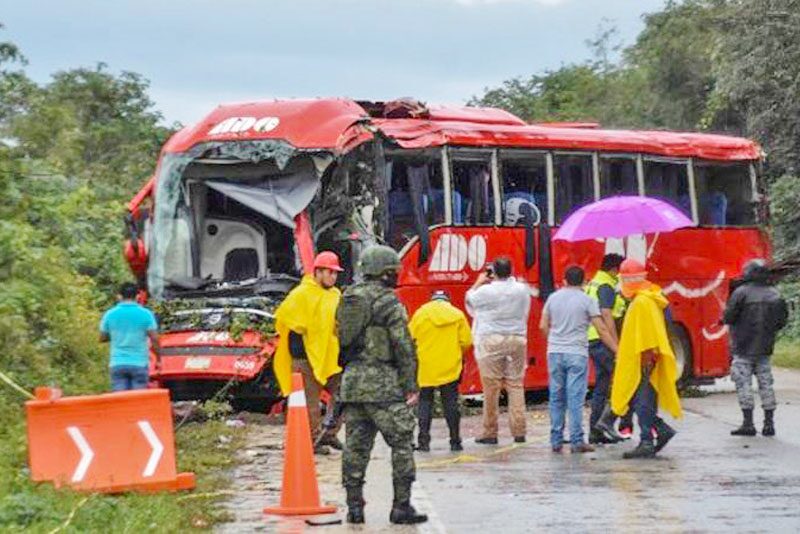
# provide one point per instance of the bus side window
(668, 181)
(574, 184)
(401, 172)
(724, 194)
(473, 202)
(524, 188)
(618, 177)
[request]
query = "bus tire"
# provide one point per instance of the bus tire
(682, 346)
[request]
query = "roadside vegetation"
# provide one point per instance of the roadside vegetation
(75, 149)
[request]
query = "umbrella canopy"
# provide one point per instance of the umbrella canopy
(622, 216)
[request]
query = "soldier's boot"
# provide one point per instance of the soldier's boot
(747, 428)
(606, 424)
(355, 505)
(402, 512)
(769, 423)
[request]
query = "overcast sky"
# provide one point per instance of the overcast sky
(200, 53)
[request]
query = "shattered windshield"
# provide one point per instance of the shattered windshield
(224, 216)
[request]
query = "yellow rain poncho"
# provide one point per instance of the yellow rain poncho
(309, 310)
(645, 329)
(441, 333)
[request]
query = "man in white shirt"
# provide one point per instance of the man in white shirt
(500, 305)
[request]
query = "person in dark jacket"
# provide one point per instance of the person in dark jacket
(755, 312)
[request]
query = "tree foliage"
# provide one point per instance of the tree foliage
(729, 66)
(71, 151)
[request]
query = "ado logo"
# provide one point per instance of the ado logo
(453, 253)
(243, 124)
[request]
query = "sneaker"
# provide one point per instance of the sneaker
(581, 448)
(745, 430)
(486, 441)
(557, 449)
(597, 437)
(643, 450)
(519, 439)
(625, 432)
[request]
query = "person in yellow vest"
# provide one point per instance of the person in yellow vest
(645, 369)
(603, 289)
(306, 326)
(442, 334)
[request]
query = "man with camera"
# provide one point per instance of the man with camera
(500, 305)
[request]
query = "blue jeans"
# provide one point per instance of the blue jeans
(127, 377)
(568, 385)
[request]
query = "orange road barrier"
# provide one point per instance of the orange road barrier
(110, 443)
(299, 493)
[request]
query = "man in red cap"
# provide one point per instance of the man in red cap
(306, 325)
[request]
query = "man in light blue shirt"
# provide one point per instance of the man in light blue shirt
(127, 326)
(566, 317)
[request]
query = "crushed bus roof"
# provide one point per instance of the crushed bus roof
(338, 124)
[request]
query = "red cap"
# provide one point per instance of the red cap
(327, 260)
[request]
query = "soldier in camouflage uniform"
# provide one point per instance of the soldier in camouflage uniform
(379, 382)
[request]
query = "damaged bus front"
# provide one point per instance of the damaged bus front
(228, 238)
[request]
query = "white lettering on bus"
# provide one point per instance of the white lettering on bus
(243, 124)
(206, 337)
(453, 253)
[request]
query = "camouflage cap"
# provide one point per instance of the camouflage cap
(378, 259)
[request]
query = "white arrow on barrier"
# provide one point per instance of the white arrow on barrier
(155, 443)
(87, 454)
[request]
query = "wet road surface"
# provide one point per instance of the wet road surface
(704, 480)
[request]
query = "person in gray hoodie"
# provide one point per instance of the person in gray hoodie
(755, 312)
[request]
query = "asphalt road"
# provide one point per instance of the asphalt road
(705, 480)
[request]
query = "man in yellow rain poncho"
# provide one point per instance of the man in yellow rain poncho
(306, 326)
(645, 364)
(442, 334)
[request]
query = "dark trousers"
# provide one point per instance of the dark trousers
(646, 406)
(603, 360)
(452, 414)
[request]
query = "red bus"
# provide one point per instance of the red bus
(241, 201)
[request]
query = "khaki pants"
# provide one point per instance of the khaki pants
(312, 390)
(502, 366)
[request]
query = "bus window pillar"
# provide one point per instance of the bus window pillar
(640, 174)
(495, 171)
(447, 187)
(692, 191)
(596, 175)
(551, 190)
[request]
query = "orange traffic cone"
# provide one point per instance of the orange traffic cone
(300, 493)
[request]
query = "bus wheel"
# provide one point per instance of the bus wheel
(683, 353)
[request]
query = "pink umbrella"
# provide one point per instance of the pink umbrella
(620, 217)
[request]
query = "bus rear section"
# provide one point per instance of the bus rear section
(510, 201)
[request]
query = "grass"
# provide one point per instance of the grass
(787, 353)
(207, 449)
